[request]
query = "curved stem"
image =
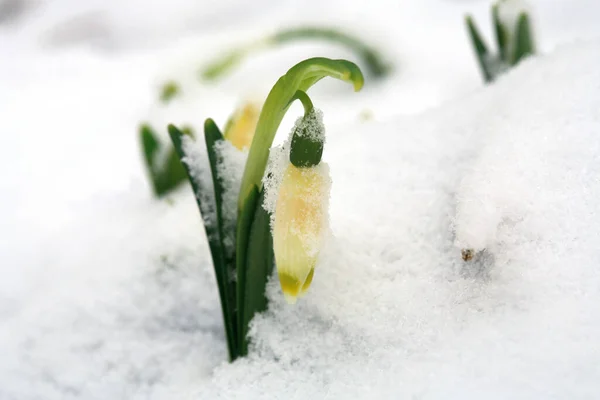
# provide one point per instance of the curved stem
(304, 99)
(374, 62)
(300, 77)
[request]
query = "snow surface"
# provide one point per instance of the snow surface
(109, 294)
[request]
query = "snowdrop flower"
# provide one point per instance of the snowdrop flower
(241, 126)
(301, 210)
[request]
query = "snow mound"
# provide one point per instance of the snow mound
(394, 312)
(106, 294)
(130, 313)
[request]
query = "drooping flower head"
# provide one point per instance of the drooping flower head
(301, 209)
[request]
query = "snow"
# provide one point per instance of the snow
(196, 159)
(311, 126)
(230, 168)
(108, 293)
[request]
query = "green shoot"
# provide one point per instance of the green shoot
(163, 165)
(373, 61)
(512, 46)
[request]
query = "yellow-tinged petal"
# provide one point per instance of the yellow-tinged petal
(299, 227)
(242, 125)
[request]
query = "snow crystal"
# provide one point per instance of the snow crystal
(230, 168)
(196, 158)
(311, 126)
(276, 165)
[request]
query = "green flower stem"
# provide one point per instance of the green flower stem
(374, 63)
(305, 100)
(300, 77)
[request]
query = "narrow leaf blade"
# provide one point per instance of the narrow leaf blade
(150, 148)
(214, 242)
(243, 233)
(212, 136)
(259, 266)
(480, 49)
(501, 35)
(174, 172)
(524, 39)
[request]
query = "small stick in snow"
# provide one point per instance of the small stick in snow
(467, 254)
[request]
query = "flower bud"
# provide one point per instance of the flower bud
(299, 226)
(241, 126)
(308, 139)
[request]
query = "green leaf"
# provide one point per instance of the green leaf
(501, 35)
(480, 49)
(212, 136)
(173, 173)
(524, 43)
(150, 148)
(164, 177)
(259, 266)
(223, 65)
(300, 77)
(214, 241)
(374, 63)
(372, 59)
(244, 223)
